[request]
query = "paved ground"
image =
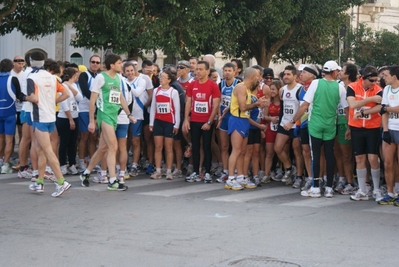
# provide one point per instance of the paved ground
(173, 223)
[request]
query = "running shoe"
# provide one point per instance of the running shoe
(266, 179)
(60, 189)
(193, 178)
(223, 178)
(312, 192)
(81, 166)
(176, 173)
(150, 169)
(246, 183)
(37, 187)
(307, 185)
(232, 184)
(64, 169)
(72, 170)
(387, 200)
(359, 195)
(6, 168)
(329, 192)
(289, 175)
(169, 176)
(297, 183)
(348, 190)
(116, 186)
(85, 179)
(25, 174)
(133, 172)
(156, 175)
(100, 179)
(377, 195)
(208, 178)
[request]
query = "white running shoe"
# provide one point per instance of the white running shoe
(329, 192)
(60, 189)
(72, 170)
(6, 168)
(312, 192)
(359, 195)
(37, 187)
(233, 185)
(377, 195)
(64, 169)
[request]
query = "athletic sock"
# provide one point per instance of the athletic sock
(60, 181)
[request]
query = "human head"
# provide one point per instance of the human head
(210, 59)
(52, 66)
(251, 78)
(156, 69)
(290, 73)
(268, 76)
(331, 69)
(275, 86)
(309, 73)
(70, 73)
(229, 71)
(146, 67)
(6, 65)
(193, 63)
(18, 64)
(238, 66)
(369, 76)
(113, 60)
(213, 75)
(94, 63)
(129, 71)
(167, 77)
(36, 59)
(183, 68)
(391, 75)
(349, 71)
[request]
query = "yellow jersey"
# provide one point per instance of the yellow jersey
(234, 107)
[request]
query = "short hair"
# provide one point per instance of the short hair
(196, 59)
(259, 68)
(249, 72)
(51, 65)
(94, 56)
(239, 63)
(352, 71)
(68, 73)
(394, 71)
(6, 65)
(127, 64)
(37, 56)
(111, 59)
(205, 63)
(146, 63)
(71, 65)
(171, 68)
(229, 65)
(369, 71)
(171, 75)
(292, 69)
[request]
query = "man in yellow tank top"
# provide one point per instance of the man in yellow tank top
(238, 128)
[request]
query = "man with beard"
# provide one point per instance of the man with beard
(238, 128)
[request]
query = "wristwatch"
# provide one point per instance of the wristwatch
(209, 122)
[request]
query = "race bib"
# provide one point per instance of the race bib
(74, 106)
(394, 116)
(114, 97)
(163, 108)
(260, 114)
(226, 100)
(273, 126)
(341, 111)
(289, 109)
(200, 107)
(366, 116)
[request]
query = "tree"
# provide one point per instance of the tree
(377, 48)
(35, 18)
(268, 26)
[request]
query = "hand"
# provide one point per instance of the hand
(377, 99)
(274, 120)
(288, 126)
(72, 125)
(262, 127)
(262, 102)
(32, 98)
(386, 136)
(175, 131)
(348, 135)
(357, 115)
(92, 127)
(206, 127)
(186, 126)
(132, 119)
(150, 128)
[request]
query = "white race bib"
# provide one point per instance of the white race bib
(114, 97)
(200, 107)
(366, 116)
(163, 108)
(273, 126)
(288, 109)
(74, 106)
(260, 114)
(226, 100)
(393, 116)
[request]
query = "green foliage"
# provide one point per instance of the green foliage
(377, 48)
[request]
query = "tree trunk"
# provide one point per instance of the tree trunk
(133, 53)
(4, 13)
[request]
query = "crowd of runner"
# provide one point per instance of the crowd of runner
(319, 130)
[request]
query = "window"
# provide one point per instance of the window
(76, 58)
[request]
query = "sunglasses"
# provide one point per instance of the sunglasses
(372, 80)
(181, 67)
(95, 62)
(19, 60)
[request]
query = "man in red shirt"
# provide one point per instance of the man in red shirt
(202, 102)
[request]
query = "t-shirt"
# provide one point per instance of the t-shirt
(20, 75)
(45, 86)
(139, 92)
(390, 97)
(202, 95)
(71, 103)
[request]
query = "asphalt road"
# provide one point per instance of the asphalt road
(174, 223)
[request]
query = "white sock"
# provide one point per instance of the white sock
(103, 172)
(112, 180)
(361, 179)
(231, 177)
(168, 171)
(226, 171)
(375, 175)
(158, 170)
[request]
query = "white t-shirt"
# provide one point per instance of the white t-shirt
(390, 97)
(26, 105)
(139, 92)
(20, 76)
(122, 117)
(71, 103)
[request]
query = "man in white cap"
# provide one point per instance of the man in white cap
(324, 95)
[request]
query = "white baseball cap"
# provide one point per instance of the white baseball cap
(330, 66)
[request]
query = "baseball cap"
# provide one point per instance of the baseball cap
(184, 63)
(268, 72)
(330, 66)
(82, 68)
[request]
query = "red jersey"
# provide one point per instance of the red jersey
(202, 95)
(165, 108)
(274, 111)
(186, 84)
